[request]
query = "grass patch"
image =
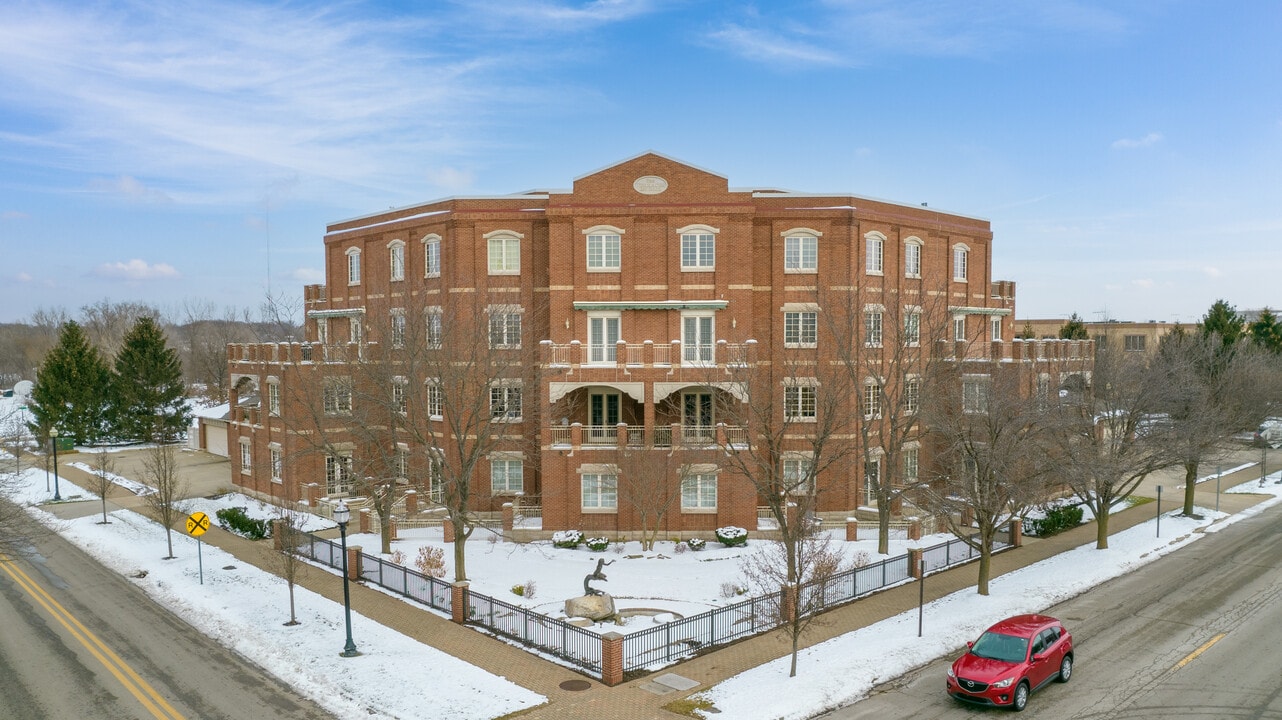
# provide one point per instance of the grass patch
(689, 706)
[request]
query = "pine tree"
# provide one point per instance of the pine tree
(72, 387)
(1222, 320)
(1074, 329)
(1266, 331)
(148, 393)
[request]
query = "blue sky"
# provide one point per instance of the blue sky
(1127, 153)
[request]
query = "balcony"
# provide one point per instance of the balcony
(577, 435)
(624, 355)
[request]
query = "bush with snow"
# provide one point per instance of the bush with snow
(732, 536)
(568, 539)
(597, 544)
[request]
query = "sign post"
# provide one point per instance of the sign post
(197, 524)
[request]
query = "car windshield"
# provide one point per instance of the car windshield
(996, 646)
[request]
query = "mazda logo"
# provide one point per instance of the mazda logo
(969, 683)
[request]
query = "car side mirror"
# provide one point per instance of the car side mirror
(1038, 657)
(970, 644)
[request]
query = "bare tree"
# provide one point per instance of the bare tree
(289, 537)
(644, 484)
(166, 505)
(990, 464)
(103, 482)
(106, 323)
(795, 601)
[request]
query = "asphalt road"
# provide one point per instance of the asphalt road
(79, 641)
(1194, 635)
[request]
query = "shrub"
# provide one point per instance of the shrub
(678, 547)
(238, 521)
(732, 536)
(568, 539)
(597, 544)
(398, 557)
(696, 543)
(431, 561)
(729, 590)
(1057, 520)
(525, 591)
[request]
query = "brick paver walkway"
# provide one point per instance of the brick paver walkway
(630, 700)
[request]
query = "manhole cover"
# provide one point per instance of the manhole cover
(576, 685)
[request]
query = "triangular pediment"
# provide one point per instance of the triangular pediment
(650, 178)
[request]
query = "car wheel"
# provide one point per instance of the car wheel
(1065, 669)
(1021, 698)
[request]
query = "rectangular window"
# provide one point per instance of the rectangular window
(959, 328)
(505, 329)
(797, 475)
(872, 328)
(603, 252)
(912, 395)
(975, 395)
(353, 267)
(912, 328)
(338, 474)
(697, 338)
(246, 458)
(435, 399)
(699, 492)
(960, 260)
(801, 254)
(800, 329)
(506, 476)
(338, 396)
(432, 258)
(911, 456)
(912, 260)
(505, 402)
(322, 330)
(398, 329)
(603, 338)
(875, 255)
(278, 464)
(402, 461)
(435, 478)
(696, 417)
(396, 261)
(505, 255)
(273, 398)
(872, 400)
(698, 251)
(872, 479)
(799, 402)
(600, 491)
(354, 329)
(995, 326)
(433, 329)
(399, 399)
(1133, 343)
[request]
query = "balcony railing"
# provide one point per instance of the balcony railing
(647, 354)
(689, 436)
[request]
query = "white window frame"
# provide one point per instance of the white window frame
(599, 491)
(432, 255)
(246, 457)
(322, 330)
(801, 399)
(911, 464)
(400, 398)
(995, 328)
(975, 391)
(798, 473)
(355, 331)
(874, 253)
(353, 265)
(912, 326)
(434, 328)
(698, 248)
(435, 399)
(398, 327)
(396, 260)
(959, 328)
(1134, 343)
(801, 251)
(961, 262)
(607, 255)
(509, 326)
(699, 491)
(338, 395)
(401, 461)
(503, 252)
(703, 351)
(912, 394)
(505, 396)
(872, 476)
(872, 398)
(277, 462)
(501, 469)
(874, 327)
(339, 472)
(273, 398)
(800, 327)
(912, 257)
(604, 330)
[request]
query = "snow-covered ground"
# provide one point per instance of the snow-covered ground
(245, 608)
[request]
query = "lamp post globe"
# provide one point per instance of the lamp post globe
(53, 440)
(341, 516)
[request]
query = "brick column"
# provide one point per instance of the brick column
(914, 529)
(1016, 533)
(353, 562)
(448, 527)
(788, 603)
(914, 562)
(313, 494)
(278, 534)
(509, 514)
(967, 516)
(852, 529)
(790, 512)
(411, 502)
(392, 521)
(458, 602)
(612, 659)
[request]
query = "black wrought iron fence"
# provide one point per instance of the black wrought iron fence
(551, 635)
(426, 589)
(680, 639)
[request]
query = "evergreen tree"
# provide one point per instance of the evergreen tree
(149, 400)
(1266, 332)
(72, 387)
(1074, 329)
(1027, 333)
(1223, 321)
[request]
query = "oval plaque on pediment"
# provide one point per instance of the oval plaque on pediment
(650, 185)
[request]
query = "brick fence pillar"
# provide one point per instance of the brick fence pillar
(364, 517)
(458, 602)
(509, 514)
(852, 529)
(448, 527)
(278, 534)
(392, 521)
(914, 529)
(411, 502)
(1016, 533)
(354, 562)
(914, 562)
(612, 659)
(967, 516)
(788, 603)
(313, 495)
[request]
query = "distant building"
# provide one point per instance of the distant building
(1137, 337)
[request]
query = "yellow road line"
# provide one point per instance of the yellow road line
(136, 686)
(1193, 655)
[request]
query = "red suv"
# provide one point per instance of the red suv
(1012, 659)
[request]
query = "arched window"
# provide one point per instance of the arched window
(874, 253)
(961, 258)
(396, 260)
(912, 257)
(698, 247)
(801, 250)
(504, 252)
(432, 255)
(604, 250)
(353, 266)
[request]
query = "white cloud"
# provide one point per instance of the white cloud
(24, 277)
(14, 215)
(1152, 138)
(1143, 283)
(310, 276)
(451, 180)
(136, 270)
(770, 46)
(1214, 272)
(129, 187)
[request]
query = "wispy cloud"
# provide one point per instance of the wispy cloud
(771, 46)
(14, 215)
(1211, 271)
(129, 187)
(1143, 283)
(23, 277)
(524, 16)
(136, 270)
(1150, 139)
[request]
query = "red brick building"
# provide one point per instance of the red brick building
(624, 304)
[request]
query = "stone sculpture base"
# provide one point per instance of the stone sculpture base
(593, 607)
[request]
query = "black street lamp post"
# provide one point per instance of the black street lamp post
(341, 516)
(53, 440)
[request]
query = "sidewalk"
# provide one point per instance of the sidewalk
(209, 475)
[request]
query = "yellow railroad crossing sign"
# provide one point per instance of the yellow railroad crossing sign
(197, 524)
